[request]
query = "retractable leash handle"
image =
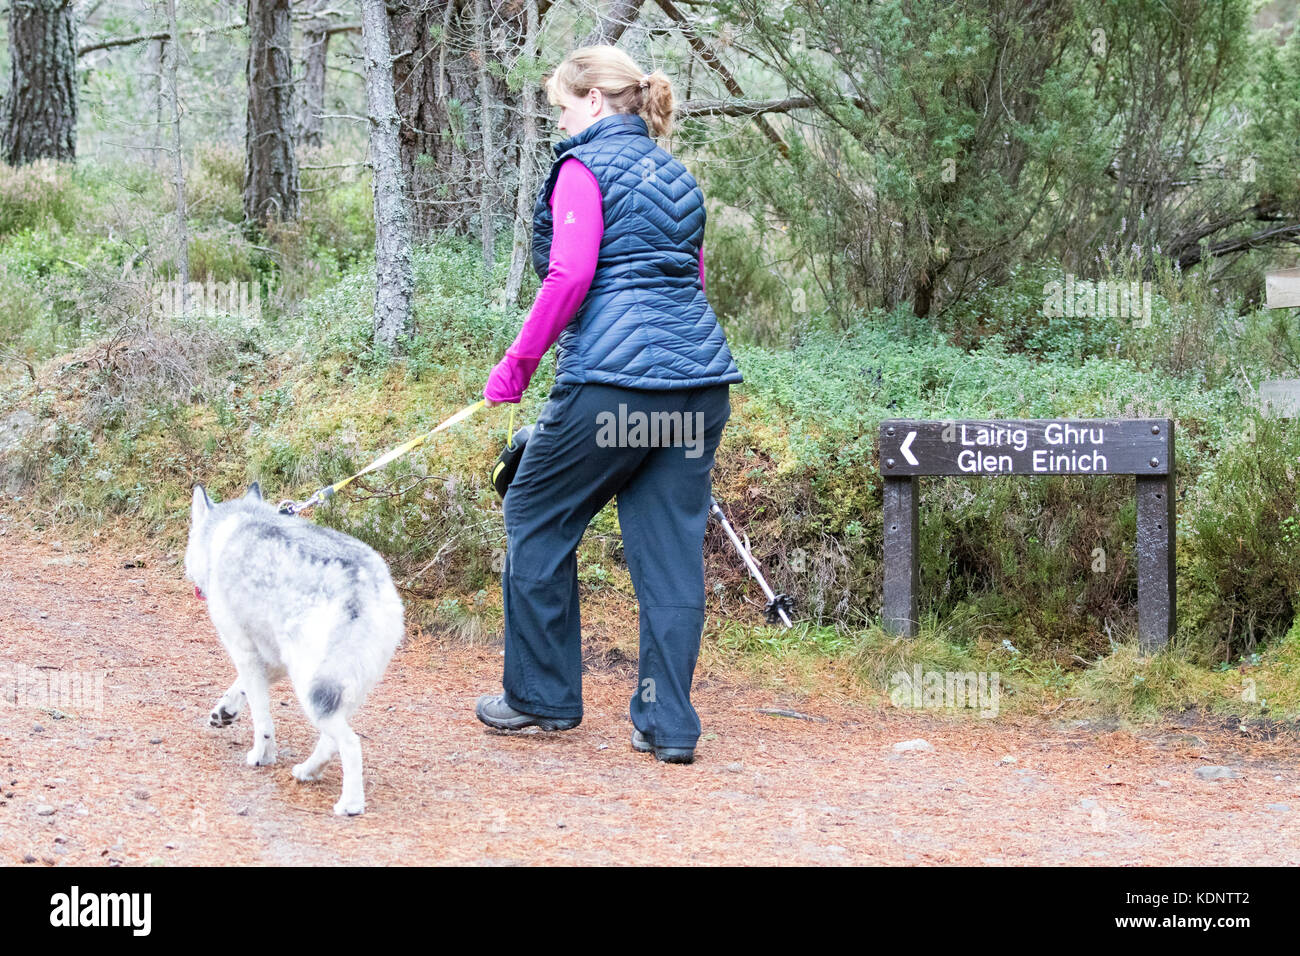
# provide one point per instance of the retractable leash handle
(779, 606)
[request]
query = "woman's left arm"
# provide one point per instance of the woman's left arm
(579, 225)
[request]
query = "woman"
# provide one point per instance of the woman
(618, 235)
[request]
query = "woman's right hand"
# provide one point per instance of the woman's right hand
(508, 379)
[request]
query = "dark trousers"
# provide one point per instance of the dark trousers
(584, 451)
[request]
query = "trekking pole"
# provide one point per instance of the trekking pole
(778, 606)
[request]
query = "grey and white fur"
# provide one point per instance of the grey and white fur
(291, 597)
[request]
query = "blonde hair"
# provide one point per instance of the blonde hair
(616, 75)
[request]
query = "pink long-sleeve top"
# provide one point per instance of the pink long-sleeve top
(575, 247)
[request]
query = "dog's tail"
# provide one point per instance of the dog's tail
(362, 637)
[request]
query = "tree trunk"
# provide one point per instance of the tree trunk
(158, 59)
(172, 53)
(487, 234)
(439, 99)
(923, 294)
(528, 171)
(394, 277)
(270, 167)
(617, 17)
(40, 106)
(311, 104)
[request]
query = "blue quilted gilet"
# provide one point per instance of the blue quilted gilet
(645, 322)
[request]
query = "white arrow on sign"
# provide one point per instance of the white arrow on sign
(905, 448)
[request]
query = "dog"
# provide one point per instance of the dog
(287, 596)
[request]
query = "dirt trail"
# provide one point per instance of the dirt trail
(145, 780)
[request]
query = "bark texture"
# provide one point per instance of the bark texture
(441, 82)
(40, 106)
(394, 276)
(311, 100)
(270, 167)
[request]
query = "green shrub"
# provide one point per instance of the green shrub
(1242, 571)
(756, 301)
(340, 215)
(43, 194)
(1018, 311)
(214, 184)
(221, 257)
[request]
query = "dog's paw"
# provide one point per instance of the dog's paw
(346, 808)
(220, 717)
(304, 773)
(261, 756)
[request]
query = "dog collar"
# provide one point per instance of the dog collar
(199, 594)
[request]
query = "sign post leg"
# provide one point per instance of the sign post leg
(1156, 527)
(902, 569)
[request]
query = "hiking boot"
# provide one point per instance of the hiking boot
(493, 710)
(642, 744)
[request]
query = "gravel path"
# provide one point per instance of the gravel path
(138, 777)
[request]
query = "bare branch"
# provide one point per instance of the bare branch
(113, 42)
(711, 60)
(743, 107)
(1277, 235)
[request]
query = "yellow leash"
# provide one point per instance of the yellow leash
(290, 507)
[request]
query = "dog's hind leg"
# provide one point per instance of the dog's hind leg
(310, 768)
(353, 800)
(228, 706)
(253, 678)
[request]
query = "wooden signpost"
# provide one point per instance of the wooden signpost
(1143, 447)
(1282, 289)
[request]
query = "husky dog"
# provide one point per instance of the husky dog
(291, 597)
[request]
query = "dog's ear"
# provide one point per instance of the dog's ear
(201, 503)
(254, 491)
